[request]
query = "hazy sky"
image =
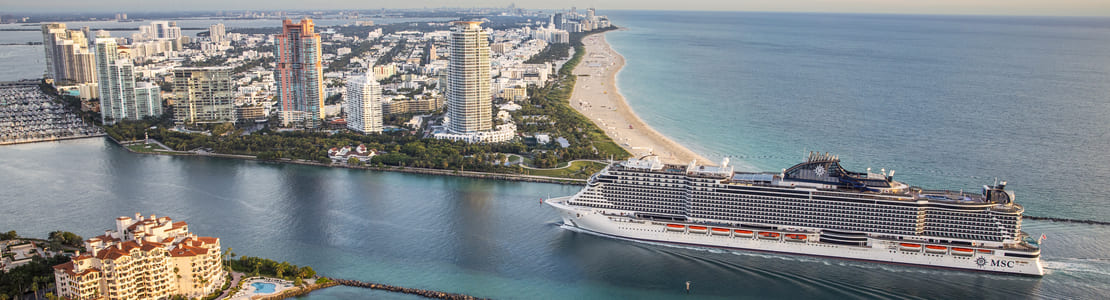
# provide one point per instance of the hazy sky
(987, 7)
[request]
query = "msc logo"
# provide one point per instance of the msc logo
(982, 261)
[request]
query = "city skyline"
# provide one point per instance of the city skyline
(977, 7)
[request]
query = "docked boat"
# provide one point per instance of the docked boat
(834, 212)
(720, 231)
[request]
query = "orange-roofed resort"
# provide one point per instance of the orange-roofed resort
(143, 258)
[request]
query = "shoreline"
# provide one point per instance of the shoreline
(410, 170)
(597, 97)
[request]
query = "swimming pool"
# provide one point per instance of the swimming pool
(263, 288)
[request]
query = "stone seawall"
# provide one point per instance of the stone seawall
(398, 289)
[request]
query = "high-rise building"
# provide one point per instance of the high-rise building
(68, 57)
(299, 73)
(121, 98)
(203, 95)
(469, 107)
(166, 30)
(217, 33)
(144, 258)
(50, 33)
(364, 104)
(558, 20)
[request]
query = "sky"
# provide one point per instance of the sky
(977, 7)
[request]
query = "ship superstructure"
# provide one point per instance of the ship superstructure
(816, 207)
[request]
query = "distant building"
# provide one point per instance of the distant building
(166, 30)
(217, 34)
(68, 56)
(121, 98)
(250, 113)
(203, 95)
(144, 258)
(364, 104)
(299, 73)
(346, 153)
(429, 53)
(404, 106)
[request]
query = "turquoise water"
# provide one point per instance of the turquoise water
(263, 288)
(910, 93)
(946, 101)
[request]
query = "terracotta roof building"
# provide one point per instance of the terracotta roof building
(144, 258)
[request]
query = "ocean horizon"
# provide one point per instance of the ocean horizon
(950, 102)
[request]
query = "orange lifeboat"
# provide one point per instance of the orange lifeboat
(985, 251)
(936, 249)
(676, 227)
(769, 235)
(720, 231)
(743, 233)
(698, 229)
(909, 247)
(796, 237)
(962, 251)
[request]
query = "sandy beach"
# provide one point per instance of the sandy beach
(597, 96)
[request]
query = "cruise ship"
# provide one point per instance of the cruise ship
(815, 208)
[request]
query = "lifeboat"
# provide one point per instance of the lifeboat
(962, 251)
(909, 247)
(698, 229)
(769, 235)
(743, 233)
(985, 251)
(720, 231)
(936, 249)
(676, 227)
(796, 237)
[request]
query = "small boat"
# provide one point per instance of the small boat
(769, 235)
(743, 233)
(985, 251)
(909, 247)
(676, 227)
(963, 251)
(720, 231)
(936, 249)
(698, 229)
(796, 237)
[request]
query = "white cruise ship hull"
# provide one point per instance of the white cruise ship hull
(613, 223)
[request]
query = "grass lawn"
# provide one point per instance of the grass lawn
(149, 148)
(578, 169)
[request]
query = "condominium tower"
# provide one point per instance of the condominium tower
(299, 73)
(143, 258)
(68, 57)
(469, 109)
(203, 95)
(120, 96)
(364, 104)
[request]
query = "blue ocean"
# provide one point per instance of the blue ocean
(947, 101)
